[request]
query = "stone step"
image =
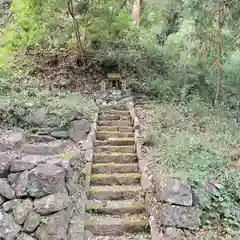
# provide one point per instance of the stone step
(103, 117)
(116, 179)
(43, 148)
(115, 207)
(121, 141)
(116, 142)
(115, 168)
(116, 226)
(126, 236)
(110, 149)
(115, 128)
(119, 123)
(119, 107)
(105, 135)
(116, 157)
(114, 112)
(114, 192)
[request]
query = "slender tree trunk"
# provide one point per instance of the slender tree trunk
(219, 56)
(76, 27)
(136, 12)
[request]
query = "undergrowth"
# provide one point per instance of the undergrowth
(194, 142)
(18, 96)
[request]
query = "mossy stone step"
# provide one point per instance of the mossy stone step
(111, 149)
(121, 141)
(115, 128)
(119, 107)
(116, 157)
(113, 117)
(116, 226)
(115, 207)
(115, 168)
(104, 135)
(119, 123)
(114, 192)
(114, 112)
(116, 179)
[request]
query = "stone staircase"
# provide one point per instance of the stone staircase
(115, 208)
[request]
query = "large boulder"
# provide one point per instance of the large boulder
(36, 117)
(77, 130)
(27, 162)
(32, 222)
(5, 164)
(180, 217)
(9, 230)
(174, 191)
(15, 140)
(20, 185)
(55, 227)
(9, 205)
(6, 190)
(25, 236)
(21, 211)
(51, 203)
(45, 179)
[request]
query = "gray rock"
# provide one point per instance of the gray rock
(15, 140)
(173, 234)
(21, 210)
(55, 228)
(51, 203)
(32, 222)
(36, 116)
(5, 164)
(174, 191)
(6, 190)
(12, 177)
(2, 200)
(20, 185)
(9, 230)
(27, 162)
(179, 216)
(25, 236)
(53, 121)
(45, 131)
(44, 148)
(45, 179)
(77, 130)
(41, 138)
(9, 205)
(60, 134)
(203, 193)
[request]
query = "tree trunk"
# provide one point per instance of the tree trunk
(219, 56)
(136, 12)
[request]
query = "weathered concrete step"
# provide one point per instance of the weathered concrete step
(116, 157)
(104, 135)
(116, 226)
(115, 128)
(103, 117)
(113, 107)
(110, 149)
(114, 192)
(116, 142)
(115, 168)
(115, 207)
(114, 112)
(116, 179)
(119, 123)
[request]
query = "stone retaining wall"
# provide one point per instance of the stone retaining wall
(34, 197)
